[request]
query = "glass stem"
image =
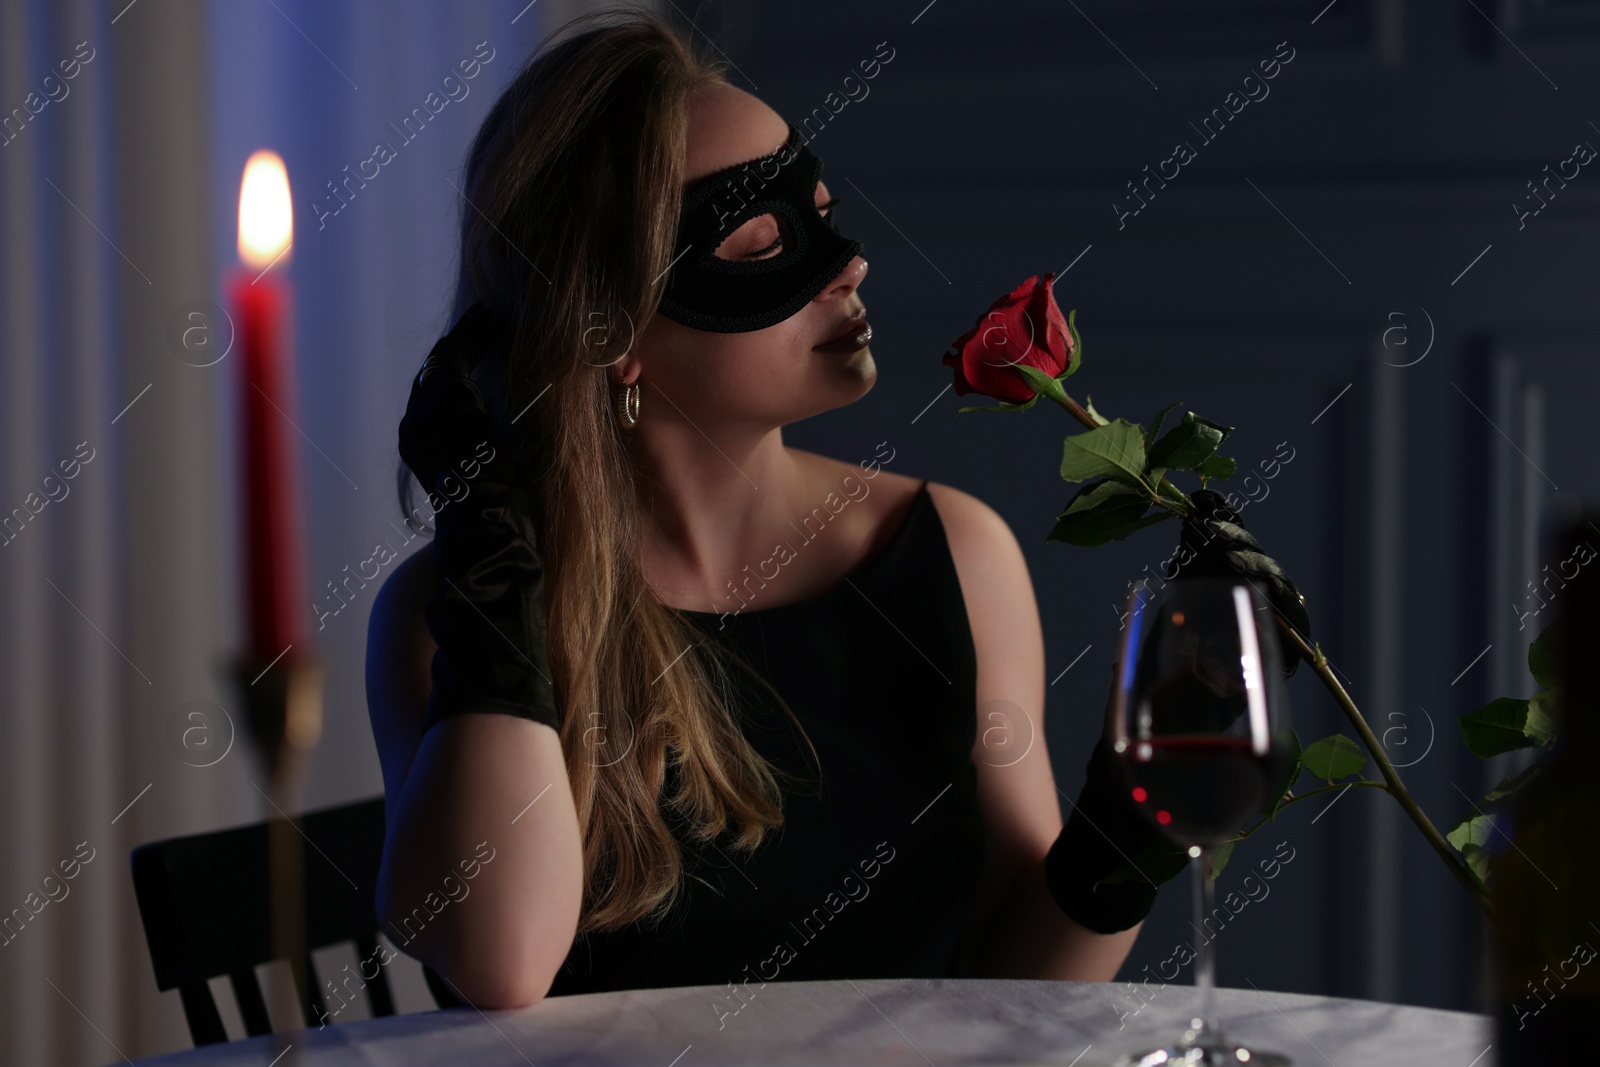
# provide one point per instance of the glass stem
(1205, 973)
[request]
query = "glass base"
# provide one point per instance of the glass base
(1205, 1050)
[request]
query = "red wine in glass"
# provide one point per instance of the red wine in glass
(1202, 790)
(1200, 727)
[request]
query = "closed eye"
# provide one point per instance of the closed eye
(727, 250)
(825, 210)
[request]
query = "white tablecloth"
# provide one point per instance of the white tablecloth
(890, 1022)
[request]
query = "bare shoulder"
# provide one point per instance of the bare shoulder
(989, 561)
(981, 541)
(413, 576)
(399, 663)
(397, 609)
(885, 495)
(1017, 793)
(998, 590)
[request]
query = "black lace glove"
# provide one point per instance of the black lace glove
(1216, 545)
(487, 614)
(1086, 868)
(1109, 860)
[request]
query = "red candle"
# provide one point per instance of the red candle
(274, 523)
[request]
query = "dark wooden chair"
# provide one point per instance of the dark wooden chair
(203, 899)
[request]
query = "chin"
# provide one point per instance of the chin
(848, 381)
(853, 373)
(867, 367)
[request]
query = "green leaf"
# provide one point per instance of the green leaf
(1188, 444)
(1219, 427)
(1177, 500)
(1218, 467)
(1159, 861)
(1499, 726)
(1160, 515)
(1106, 510)
(1334, 757)
(1153, 427)
(1115, 449)
(1296, 762)
(1088, 407)
(1077, 345)
(1040, 382)
(1220, 857)
(1511, 785)
(1471, 839)
(1543, 714)
(1544, 657)
(1004, 405)
(1119, 533)
(1474, 830)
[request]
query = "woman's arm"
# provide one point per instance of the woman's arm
(482, 862)
(1016, 929)
(1030, 937)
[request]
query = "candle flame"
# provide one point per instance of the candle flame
(266, 223)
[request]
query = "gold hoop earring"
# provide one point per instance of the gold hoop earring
(627, 404)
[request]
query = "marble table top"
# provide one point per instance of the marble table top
(889, 1022)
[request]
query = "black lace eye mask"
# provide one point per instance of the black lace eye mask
(707, 292)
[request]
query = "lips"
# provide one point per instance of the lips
(852, 335)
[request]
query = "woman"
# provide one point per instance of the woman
(702, 707)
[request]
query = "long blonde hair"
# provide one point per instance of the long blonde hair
(568, 222)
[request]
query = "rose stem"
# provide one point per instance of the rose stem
(1319, 663)
(1397, 789)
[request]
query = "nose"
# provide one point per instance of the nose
(841, 287)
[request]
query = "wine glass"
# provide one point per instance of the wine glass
(1200, 729)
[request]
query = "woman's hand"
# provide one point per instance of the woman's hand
(470, 789)
(1215, 544)
(487, 615)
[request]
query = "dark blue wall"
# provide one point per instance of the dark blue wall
(1371, 190)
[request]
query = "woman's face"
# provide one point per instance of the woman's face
(768, 377)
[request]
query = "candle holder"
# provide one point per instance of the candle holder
(283, 709)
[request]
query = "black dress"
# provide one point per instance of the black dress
(874, 869)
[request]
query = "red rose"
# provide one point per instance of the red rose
(1025, 326)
